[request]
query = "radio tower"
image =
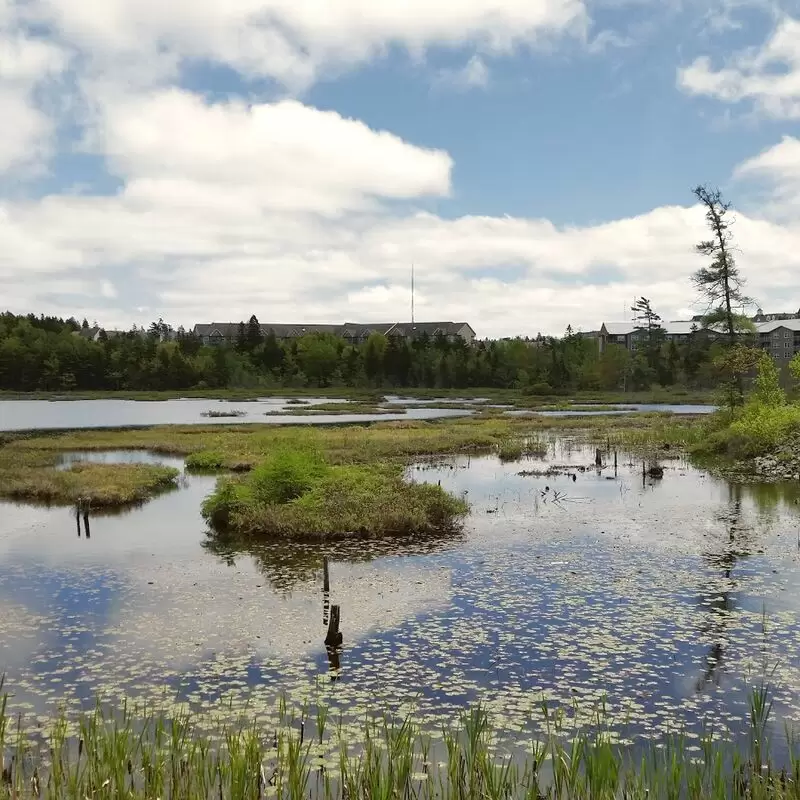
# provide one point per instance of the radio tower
(412, 294)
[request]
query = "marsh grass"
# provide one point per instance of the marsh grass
(333, 409)
(33, 475)
(296, 494)
(295, 753)
(224, 414)
(29, 459)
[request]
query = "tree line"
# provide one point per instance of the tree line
(50, 354)
(39, 353)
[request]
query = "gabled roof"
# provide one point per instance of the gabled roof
(618, 328)
(681, 327)
(769, 327)
(229, 330)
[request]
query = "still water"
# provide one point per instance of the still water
(666, 597)
(17, 415)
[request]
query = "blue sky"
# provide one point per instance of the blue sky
(533, 160)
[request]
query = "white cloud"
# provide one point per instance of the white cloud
(288, 211)
(238, 158)
(473, 75)
(228, 254)
(294, 41)
(778, 169)
(769, 76)
(26, 132)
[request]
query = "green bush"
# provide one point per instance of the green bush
(296, 495)
(761, 425)
(541, 388)
(761, 428)
(286, 475)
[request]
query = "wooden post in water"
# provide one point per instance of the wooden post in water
(86, 525)
(334, 637)
(615, 462)
(598, 457)
(326, 591)
(78, 519)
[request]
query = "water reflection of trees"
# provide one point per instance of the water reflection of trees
(770, 498)
(286, 564)
(718, 601)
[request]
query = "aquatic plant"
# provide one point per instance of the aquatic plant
(143, 752)
(510, 450)
(223, 414)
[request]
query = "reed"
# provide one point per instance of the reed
(143, 752)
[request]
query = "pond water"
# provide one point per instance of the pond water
(665, 596)
(17, 415)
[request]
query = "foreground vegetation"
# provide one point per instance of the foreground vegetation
(141, 753)
(297, 494)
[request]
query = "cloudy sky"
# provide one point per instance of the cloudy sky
(292, 158)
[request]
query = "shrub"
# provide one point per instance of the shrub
(205, 459)
(761, 428)
(539, 388)
(286, 475)
(767, 389)
(333, 502)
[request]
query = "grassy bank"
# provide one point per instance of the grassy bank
(296, 494)
(28, 461)
(130, 752)
(515, 397)
(33, 476)
(241, 447)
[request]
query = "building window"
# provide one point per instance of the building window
(786, 335)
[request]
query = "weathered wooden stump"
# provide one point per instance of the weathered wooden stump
(334, 637)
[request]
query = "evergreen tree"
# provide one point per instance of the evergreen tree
(254, 337)
(721, 285)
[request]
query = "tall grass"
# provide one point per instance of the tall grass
(139, 752)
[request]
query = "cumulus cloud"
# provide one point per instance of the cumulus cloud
(768, 76)
(285, 156)
(241, 255)
(230, 208)
(777, 169)
(25, 65)
(293, 41)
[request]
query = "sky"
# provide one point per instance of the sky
(533, 159)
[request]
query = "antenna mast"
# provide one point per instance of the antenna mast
(412, 294)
